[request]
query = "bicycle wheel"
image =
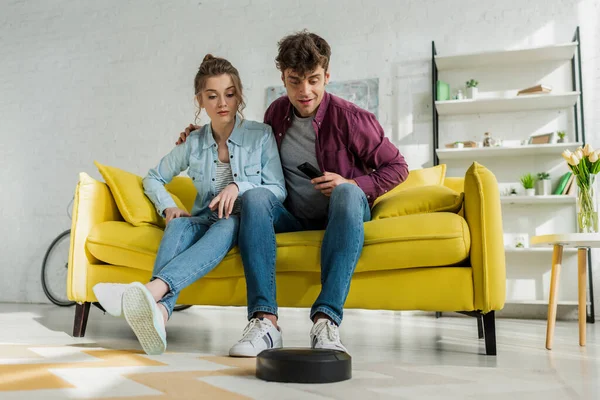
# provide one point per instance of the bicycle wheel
(55, 268)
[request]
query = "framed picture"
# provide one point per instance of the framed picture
(542, 138)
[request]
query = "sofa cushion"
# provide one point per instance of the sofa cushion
(417, 178)
(409, 241)
(418, 200)
(128, 192)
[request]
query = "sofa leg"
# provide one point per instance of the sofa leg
(489, 327)
(480, 326)
(81, 318)
(438, 314)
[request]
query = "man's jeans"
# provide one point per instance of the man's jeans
(263, 215)
(190, 248)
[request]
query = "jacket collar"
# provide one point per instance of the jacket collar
(236, 137)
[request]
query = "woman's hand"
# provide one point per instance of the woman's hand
(225, 200)
(174, 212)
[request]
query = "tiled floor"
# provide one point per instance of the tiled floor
(394, 356)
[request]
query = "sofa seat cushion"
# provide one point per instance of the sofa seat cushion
(410, 241)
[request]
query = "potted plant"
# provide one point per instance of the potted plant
(472, 88)
(528, 182)
(459, 145)
(561, 136)
(543, 184)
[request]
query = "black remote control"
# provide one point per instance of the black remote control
(309, 170)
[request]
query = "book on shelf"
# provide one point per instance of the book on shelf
(570, 184)
(563, 182)
(537, 89)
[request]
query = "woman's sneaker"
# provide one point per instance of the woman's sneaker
(145, 318)
(326, 335)
(260, 334)
(110, 296)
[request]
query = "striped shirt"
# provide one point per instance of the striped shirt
(224, 177)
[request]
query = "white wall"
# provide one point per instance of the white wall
(112, 81)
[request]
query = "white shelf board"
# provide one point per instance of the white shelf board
(558, 52)
(537, 250)
(513, 151)
(543, 302)
(550, 199)
(546, 101)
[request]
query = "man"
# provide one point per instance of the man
(359, 164)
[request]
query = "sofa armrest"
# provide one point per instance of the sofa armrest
(93, 204)
(484, 216)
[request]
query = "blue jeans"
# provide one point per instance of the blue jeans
(191, 247)
(263, 216)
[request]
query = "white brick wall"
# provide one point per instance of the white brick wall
(112, 81)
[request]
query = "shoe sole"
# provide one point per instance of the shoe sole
(138, 312)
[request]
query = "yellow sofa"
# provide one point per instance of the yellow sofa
(421, 251)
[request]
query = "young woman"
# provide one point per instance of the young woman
(224, 158)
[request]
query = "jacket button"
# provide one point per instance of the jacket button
(258, 172)
(215, 161)
(235, 175)
(193, 178)
(213, 179)
(280, 134)
(230, 156)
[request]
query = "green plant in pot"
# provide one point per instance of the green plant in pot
(543, 184)
(528, 182)
(561, 136)
(472, 88)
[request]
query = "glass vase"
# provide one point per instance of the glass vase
(587, 203)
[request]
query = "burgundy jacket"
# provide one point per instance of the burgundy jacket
(350, 142)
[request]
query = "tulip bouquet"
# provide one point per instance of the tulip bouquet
(584, 164)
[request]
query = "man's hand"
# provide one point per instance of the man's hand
(329, 181)
(225, 200)
(183, 135)
(174, 212)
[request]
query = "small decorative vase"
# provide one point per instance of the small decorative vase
(544, 187)
(530, 192)
(587, 203)
(472, 92)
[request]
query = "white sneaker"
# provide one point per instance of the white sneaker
(110, 296)
(260, 334)
(144, 317)
(326, 335)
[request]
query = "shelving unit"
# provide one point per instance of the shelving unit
(538, 250)
(507, 104)
(559, 52)
(513, 151)
(558, 55)
(550, 199)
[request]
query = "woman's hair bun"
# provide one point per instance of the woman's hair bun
(208, 57)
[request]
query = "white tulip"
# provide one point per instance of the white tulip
(579, 153)
(587, 150)
(574, 160)
(566, 155)
(593, 157)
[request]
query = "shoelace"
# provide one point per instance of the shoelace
(327, 333)
(252, 330)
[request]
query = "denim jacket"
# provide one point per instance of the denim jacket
(254, 162)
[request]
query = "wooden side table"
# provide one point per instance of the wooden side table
(582, 241)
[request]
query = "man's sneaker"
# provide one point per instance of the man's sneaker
(145, 318)
(259, 335)
(326, 335)
(110, 296)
